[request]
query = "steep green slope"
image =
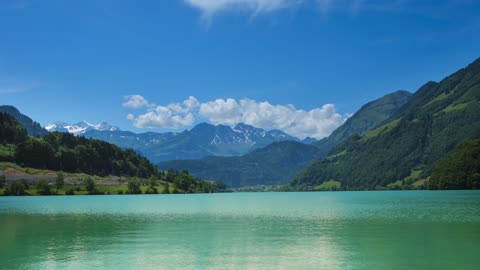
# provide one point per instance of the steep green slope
(436, 119)
(33, 128)
(271, 165)
(370, 115)
(459, 169)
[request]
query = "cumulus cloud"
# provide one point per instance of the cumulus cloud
(173, 116)
(317, 122)
(135, 101)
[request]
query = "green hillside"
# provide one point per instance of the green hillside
(437, 118)
(370, 115)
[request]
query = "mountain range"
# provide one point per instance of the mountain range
(201, 141)
(80, 128)
(404, 150)
(278, 163)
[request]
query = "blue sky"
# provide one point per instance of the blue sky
(240, 60)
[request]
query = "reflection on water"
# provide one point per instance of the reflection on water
(350, 230)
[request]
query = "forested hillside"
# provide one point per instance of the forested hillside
(33, 128)
(370, 115)
(437, 118)
(66, 152)
(459, 169)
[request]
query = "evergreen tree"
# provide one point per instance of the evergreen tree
(2, 180)
(59, 181)
(134, 186)
(43, 188)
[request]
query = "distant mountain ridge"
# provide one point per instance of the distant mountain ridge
(201, 141)
(80, 128)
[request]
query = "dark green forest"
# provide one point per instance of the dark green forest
(460, 169)
(11, 132)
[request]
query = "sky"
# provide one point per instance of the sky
(303, 66)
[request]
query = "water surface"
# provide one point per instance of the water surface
(326, 230)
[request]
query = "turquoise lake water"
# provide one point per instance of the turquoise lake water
(324, 230)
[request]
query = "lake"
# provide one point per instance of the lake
(321, 230)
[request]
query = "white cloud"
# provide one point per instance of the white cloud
(211, 7)
(135, 101)
(130, 117)
(221, 111)
(318, 122)
(173, 116)
(162, 117)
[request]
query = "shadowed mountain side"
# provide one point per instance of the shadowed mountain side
(271, 165)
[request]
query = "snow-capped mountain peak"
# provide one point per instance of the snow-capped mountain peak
(80, 127)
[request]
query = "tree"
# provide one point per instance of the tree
(25, 184)
(16, 188)
(90, 185)
(152, 185)
(2, 180)
(43, 188)
(134, 186)
(166, 188)
(185, 182)
(59, 181)
(170, 176)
